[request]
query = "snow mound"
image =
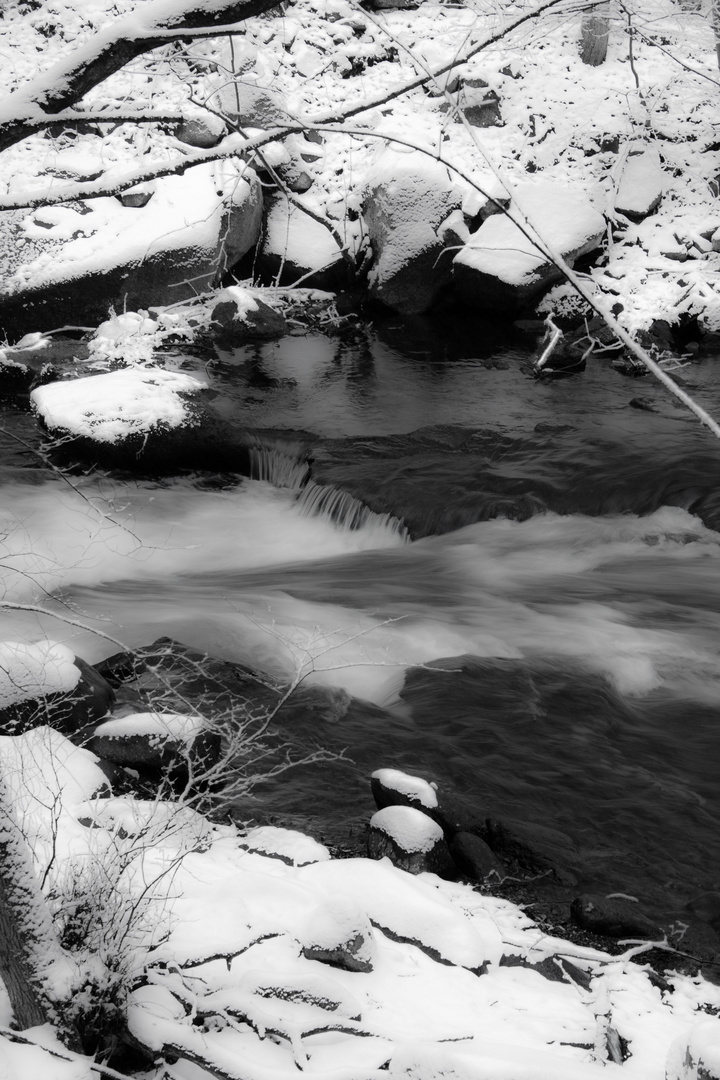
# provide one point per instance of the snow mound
(109, 408)
(292, 847)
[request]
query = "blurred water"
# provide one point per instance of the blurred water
(589, 691)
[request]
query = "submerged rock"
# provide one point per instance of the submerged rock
(612, 917)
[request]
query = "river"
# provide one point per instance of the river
(559, 536)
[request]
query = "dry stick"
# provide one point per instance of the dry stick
(102, 1070)
(529, 230)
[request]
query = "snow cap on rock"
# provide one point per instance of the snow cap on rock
(109, 408)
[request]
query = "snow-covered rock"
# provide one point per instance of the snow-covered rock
(411, 840)
(408, 197)
(502, 269)
(152, 740)
(87, 257)
(641, 182)
(239, 317)
(392, 786)
(115, 407)
(297, 248)
(44, 683)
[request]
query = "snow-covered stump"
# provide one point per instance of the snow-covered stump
(411, 209)
(411, 840)
(499, 269)
(44, 683)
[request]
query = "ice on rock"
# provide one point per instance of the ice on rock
(414, 787)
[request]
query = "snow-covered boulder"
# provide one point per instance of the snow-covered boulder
(154, 740)
(86, 257)
(296, 247)
(239, 317)
(500, 269)
(411, 840)
(45, 684)
(408, 200)
(641, 182)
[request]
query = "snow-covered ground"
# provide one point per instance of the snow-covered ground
(561, 122)
(255, 954)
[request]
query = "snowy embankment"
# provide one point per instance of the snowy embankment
(404, 201)
(254, 954)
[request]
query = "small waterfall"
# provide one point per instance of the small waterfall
(285, 466)
(345, 510)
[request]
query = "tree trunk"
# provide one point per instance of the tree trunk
(715, 15)
(28, 942)
(594, 33)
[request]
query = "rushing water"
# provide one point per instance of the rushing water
(562, 565)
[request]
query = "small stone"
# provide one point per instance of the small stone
(136, 198)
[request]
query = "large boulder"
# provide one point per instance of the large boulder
(501, 270)
(410, 207)
(88, 256)
(45, 684)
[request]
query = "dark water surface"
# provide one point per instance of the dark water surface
(562, 543)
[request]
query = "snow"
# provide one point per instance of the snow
(564, 218)
(242, 298)
(153, 724)
(35, 670)
(223, 935)
(411, 830)
(641, 182)
(112, 407)
(414, 787)
(287, 844)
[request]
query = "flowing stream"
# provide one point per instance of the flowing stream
(520, 580)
